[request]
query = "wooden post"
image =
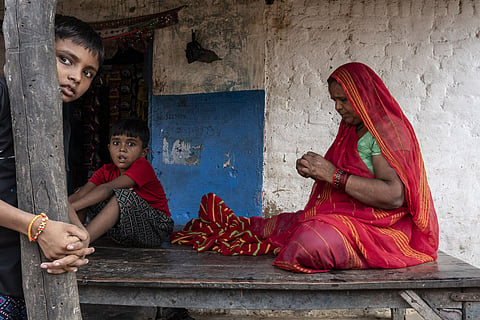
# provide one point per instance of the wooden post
(36, 108)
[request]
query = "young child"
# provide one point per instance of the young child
(124, 198)
(79, 53)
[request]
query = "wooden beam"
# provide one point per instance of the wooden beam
(423, 309)
(36, 108)
(398, 313)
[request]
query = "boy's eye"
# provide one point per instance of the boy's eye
(115, 143)
(131, 144)
(64, 60)
(88, 74)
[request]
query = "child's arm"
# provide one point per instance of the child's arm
(14, 218)
(60, 237)
(90, 194)
(58, 240)
(80, 193)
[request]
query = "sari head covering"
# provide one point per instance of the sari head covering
(373, 237)
(335, 230)
(384, 119)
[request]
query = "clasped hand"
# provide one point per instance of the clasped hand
(66, 245)
(313, 165)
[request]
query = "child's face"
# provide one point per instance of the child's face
(125, 150)
(76, 66)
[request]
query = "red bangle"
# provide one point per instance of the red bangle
(344, 179)
(334, 176)
(340, 179)
(30, 225)
(40, 227)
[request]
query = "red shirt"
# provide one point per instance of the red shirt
(147, 186)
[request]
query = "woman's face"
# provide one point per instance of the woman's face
(342, 105)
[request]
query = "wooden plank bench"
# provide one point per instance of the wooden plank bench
(178, 276)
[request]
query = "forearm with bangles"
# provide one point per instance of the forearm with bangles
(340, 179)
(39, 228)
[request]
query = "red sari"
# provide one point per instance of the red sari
(334, 230)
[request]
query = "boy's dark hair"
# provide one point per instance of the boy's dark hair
(131, 127)
(81, 33)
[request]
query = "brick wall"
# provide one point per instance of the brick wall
(427, 53)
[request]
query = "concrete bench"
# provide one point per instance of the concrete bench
(178, 276)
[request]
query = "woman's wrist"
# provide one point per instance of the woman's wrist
(340, 178)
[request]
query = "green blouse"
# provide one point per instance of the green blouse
(368, 147)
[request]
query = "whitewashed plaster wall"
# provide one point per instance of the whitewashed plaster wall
(233, 29)
(426, 51)
(428, 54)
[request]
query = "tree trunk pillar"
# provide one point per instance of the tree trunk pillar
(36, 107)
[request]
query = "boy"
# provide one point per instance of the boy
(124, 198)
(79, 53)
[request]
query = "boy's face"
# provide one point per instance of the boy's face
(76, 66)
(125, 150)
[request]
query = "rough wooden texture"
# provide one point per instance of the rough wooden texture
(177, 276)
(418, 304)
(38, 132)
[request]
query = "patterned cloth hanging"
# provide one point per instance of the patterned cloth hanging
(134, 32)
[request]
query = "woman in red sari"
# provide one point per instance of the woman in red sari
(370, 205)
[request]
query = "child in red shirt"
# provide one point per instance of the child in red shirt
(124, 198)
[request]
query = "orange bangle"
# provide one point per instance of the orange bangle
(41, 226)
(29, 229)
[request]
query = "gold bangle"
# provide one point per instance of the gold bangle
(29, 229)
(41, 226)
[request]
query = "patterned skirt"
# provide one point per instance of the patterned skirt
(139, 224)
(12, 308)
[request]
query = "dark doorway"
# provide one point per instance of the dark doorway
(119, 91)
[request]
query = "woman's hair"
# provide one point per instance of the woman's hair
(131, 127)
(81, 33)
(331, 80)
